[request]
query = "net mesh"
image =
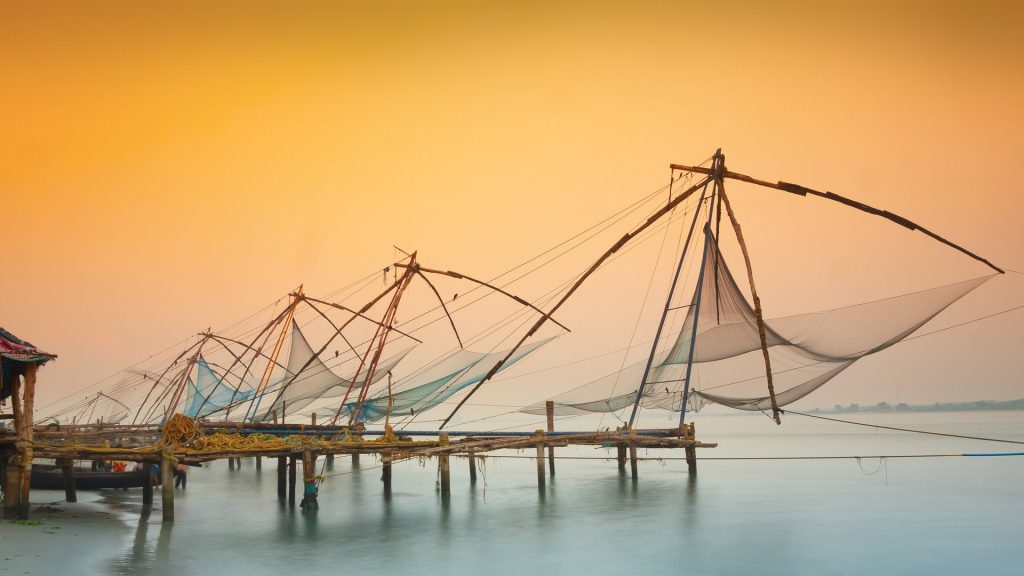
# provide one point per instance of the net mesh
(806, 350)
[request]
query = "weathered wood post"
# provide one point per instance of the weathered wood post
(281, 473)
(385, 475)
(621, 457)
(550, 408)
(167, 483)
(259, 464)
(539, 434)
(446, 479)
(291, 480)
(312, 419)
(691, 450)
(147, 485)
(632, 459)
(355, 459)
(309, 490)
(68, 471)
(12, 486)
(472, 467)
(26, 435)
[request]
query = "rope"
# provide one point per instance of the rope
(906, 429)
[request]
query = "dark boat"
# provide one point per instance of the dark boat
(47, 477)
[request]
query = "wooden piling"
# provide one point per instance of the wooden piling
(281, 473)
(12, 468)
(167, 484)
(691, 450)
(259, 463)
(386, 474)
(540, 457)
(309, 489)
(147, 485)
(291, 480)
(632, 459)
(472, 467)
(68, 471)
(621, 457)
(446, 479)
(27, 408)
(550, 409)
(312, 419)
(355, 459)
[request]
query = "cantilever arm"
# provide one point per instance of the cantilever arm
(804, 191)
(460, 276)
(443, 307)
(579, 282)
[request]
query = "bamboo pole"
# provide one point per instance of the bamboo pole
(804, 191)
(579, 282)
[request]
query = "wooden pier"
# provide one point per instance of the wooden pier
(290, 443)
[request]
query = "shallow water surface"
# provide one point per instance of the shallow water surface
(953, 515)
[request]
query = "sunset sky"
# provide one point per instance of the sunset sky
(169, 166)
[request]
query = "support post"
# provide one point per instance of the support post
(691, 450)
(26, 435)
(355, 459)
(446, 478)
(291, 480)
(539, 434)
(621, 457)
(632, 459)
(385, 475)
(147, 485)
(68, 471)
(312, 419)
(259, 464)
(12, 485)
(281, 474)
(309, 490)
(472, 467)
(167, 484)
(550, 409)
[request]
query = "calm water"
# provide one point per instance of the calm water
(912, 516)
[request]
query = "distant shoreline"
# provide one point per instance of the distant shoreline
(885, 407)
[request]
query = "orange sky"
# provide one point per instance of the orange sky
(165, 167)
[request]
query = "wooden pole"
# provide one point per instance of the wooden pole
(309, 490)
(259, 464)
(291, 480)
(472, 467)
(691, 450)
(621, 457)
(386, 474)
(312, 419)
(281, 474)
(147, 485)
(68, 471)
(167, 484)
(355, 459)
(540, 458)
(12, 493)
(549, 407)
(632, 459)
(446, 479)
(26, 436)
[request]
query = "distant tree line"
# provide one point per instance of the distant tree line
(936, 407)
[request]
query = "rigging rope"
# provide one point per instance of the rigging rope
(905, 429)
